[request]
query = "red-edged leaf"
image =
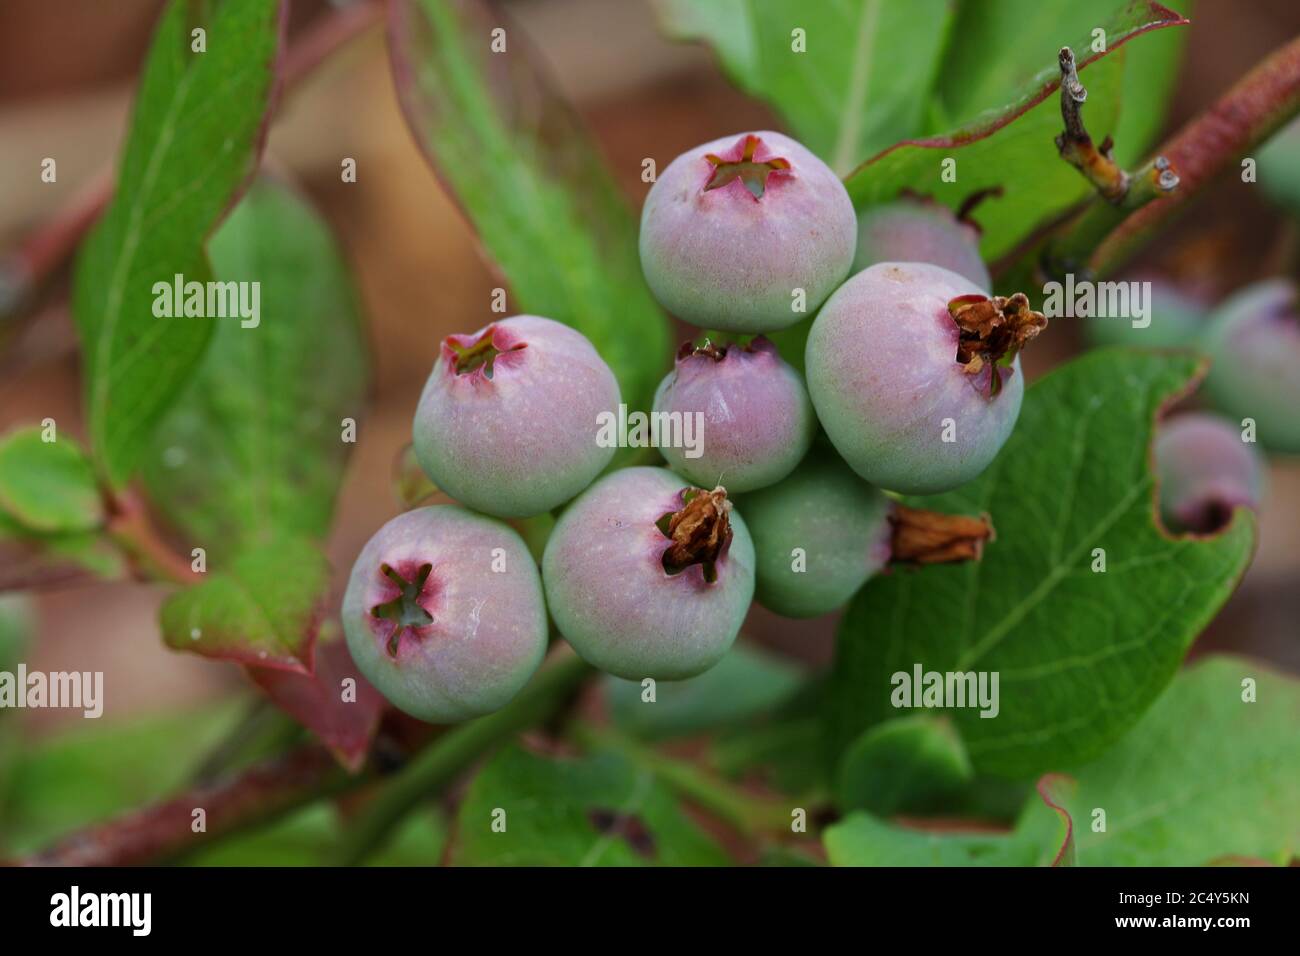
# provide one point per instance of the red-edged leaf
(197, 128)
(1055, 789)
(264, 610)
(343, 715)
(1212, 771)
(48, 487)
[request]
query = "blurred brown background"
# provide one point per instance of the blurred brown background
(66, 75)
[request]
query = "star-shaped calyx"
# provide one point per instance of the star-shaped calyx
(466, 355)
(752, 173)
(405, 611)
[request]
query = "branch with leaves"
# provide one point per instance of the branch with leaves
(214, 457)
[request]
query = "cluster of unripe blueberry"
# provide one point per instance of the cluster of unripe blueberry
(910, 371)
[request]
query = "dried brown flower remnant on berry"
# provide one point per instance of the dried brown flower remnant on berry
(993, 330)
(700, 531)
(927, 537)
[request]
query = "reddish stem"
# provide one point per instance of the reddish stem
(53, 242)
(130, 528)
(163, 830)
(1249, 113)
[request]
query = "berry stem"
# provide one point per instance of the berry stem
(440, 763)
(274, 787)
(164, 831)
(748, 814)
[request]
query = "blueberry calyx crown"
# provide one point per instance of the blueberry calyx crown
(712, 350)
(752, 173)
(991, 331)
(405, 610)
(700, 532)
(467, 358)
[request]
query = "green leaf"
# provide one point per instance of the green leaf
(1043, 836)
(1079, 655)
(1205, 775)
(1054, 789)
(264, 610)
(1027, 32)
(51, 515)
(785, 753)
(105, 767)
(1151, 70)
(744, 683)
(253, 449)
(727, 25)
(1012, 147)
(1038, 27)
(858, 84)
(863, 840)
(530, 180)
(47, 487)
(196, 133)
(906, 765)
(597, 811)
(307, 837)
(1031, 30)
